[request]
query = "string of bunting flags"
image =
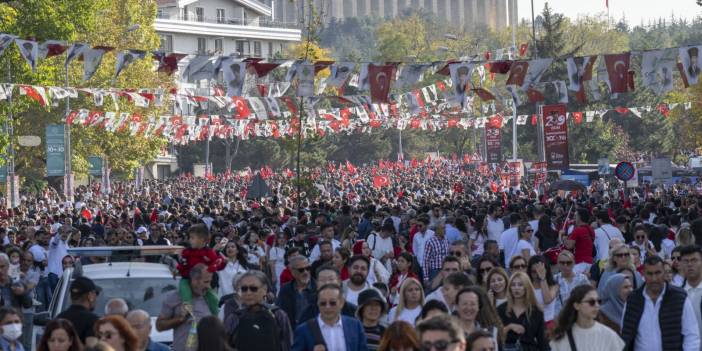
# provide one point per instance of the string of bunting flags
(589, 78)
(185, 129)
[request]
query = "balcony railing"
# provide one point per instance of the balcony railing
(233, 21)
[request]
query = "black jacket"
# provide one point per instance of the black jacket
(288, 303)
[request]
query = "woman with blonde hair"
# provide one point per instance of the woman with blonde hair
(523, 320)
(684, 236)
(497, 280)
(411, 300)
(619, 258)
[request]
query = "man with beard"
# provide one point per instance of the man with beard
(84, 295)
(326, 254)
(327, 234)
(358, 272)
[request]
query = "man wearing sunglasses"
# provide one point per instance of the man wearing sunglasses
(295, 296)
(441, 333)
(330, 330)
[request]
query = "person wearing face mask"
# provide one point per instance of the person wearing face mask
(84, 295)
(11, 325)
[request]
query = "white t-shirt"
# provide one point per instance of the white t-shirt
(379, 245)
(495, 228)
(508, 244)
(596, 338)
(314, 255)
(352, 296)
(407, 315)
(603, 235)
(418, 243)
(522, 245)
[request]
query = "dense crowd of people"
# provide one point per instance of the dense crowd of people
(442, 258)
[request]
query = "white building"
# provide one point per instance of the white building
(245, 27)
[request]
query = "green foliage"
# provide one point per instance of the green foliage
(98, 22)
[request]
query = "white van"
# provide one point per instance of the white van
(143, 285)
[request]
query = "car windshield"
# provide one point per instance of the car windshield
(140, 293)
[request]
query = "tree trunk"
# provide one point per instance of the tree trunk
(228, 157)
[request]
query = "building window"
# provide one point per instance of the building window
(201, 45)
(200, 13)
(166, 43)
(184, 13)
(245, 20)
(220, 15)
(257, 49)
(239, 47)
(218, 45)
(270, 49)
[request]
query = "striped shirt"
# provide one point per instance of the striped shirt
(373, 336)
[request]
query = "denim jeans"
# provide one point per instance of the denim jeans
(44, 293)
(27, 330)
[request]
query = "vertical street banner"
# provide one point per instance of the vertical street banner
(95, 166)
(493, 144)
(55, 150)
(556, 137)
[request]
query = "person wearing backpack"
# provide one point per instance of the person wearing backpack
(257, 325)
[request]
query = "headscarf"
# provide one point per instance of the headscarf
(613, 306)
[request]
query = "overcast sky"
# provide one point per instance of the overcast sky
(633, 10)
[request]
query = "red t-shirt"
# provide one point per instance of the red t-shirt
(583, 237)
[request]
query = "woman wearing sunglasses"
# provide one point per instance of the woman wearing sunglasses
(524, 246)
(567, 279)
(619, 258)
(577, 328)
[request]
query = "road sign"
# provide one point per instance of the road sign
(625, 171)
(603, 166)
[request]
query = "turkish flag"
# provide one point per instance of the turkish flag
(380, 81)
(533, 120)
(535, 95)
(493, 186)
(263, 68)
(350, 168)
(622, 110)
(663, 109)
(523, 49)
(578, 117)
(495, 122)
(517, 73)
(242, 108)
(501, 67)
(380, 181)
(618, 71)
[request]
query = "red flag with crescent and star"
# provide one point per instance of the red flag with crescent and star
(517, 73)
(242, 109)
(380, 181)
(380, 79)
(618, 71)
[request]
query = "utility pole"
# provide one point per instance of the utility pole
(514, 104)
(10, 129)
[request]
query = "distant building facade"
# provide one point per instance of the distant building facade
(244, 27)
(495, 14)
